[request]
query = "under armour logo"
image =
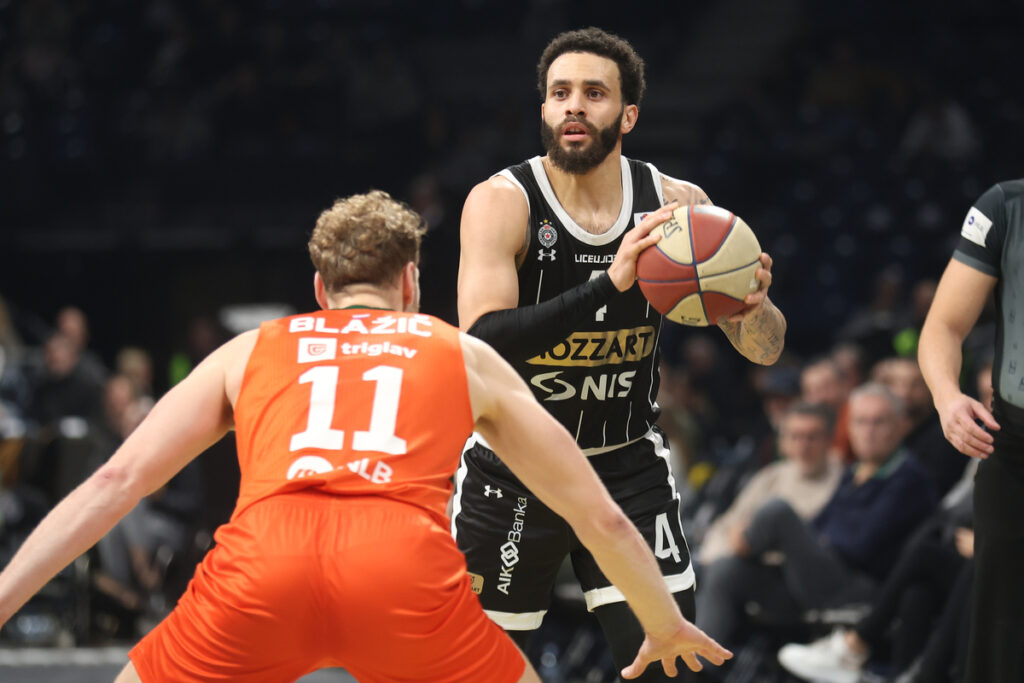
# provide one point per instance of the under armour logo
(488, 491)
(549, 254)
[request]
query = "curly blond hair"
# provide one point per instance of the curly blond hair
(366, 238)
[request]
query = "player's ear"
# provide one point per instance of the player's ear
(630, 113)
(320, 291)
(411, 287)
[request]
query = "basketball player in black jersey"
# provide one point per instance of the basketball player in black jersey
(547, 276)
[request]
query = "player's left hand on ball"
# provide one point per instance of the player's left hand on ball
(622, 271)
(755, 299)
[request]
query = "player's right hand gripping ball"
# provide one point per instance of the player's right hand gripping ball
(702, 268)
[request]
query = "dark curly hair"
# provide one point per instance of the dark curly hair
(602, 44)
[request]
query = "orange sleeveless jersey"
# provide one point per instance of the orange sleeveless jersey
(353, 402)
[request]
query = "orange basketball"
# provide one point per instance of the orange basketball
(702, 268)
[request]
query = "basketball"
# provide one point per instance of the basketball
(702, 268)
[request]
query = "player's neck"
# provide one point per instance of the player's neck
(596, 193)
(599, 188)
(366, 296)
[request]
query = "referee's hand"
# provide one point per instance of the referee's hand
(688, 642)
(960, 417)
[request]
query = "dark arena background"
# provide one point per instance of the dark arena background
(162, 164)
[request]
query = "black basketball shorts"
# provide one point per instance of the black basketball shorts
(514, 544)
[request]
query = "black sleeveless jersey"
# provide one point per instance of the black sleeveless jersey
(601, 381)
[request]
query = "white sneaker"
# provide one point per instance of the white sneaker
(828, 660)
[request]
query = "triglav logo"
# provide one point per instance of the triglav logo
(509, 552)
(313, 349)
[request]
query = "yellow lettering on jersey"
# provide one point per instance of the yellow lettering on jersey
(589, 349)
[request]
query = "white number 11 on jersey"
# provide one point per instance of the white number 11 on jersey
(383, 414)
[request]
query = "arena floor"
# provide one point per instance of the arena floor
(93, 665)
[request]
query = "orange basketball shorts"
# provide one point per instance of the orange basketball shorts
(305, 581)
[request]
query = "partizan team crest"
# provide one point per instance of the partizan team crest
(546, 234)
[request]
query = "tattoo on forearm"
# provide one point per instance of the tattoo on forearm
(760, 336)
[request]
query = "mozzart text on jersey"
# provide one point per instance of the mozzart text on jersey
(607, 347)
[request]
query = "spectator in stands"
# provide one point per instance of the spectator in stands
(874, 325)
(904, 342)
(716, 483)
(136, 364)
(74, 326)
(805, 478)
(849, 547)
(123, 410)
(923, 601)
(924, 431)
(933, 575)
(12, 381)
(822, 382)
(135, 553)
(852, 363)
(64, 387)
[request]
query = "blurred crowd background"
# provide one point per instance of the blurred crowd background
(163, 162)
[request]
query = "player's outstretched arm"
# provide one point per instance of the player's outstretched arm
(545, 457)
(186, 421)
(958, 301)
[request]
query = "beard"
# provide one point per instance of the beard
(579, 159)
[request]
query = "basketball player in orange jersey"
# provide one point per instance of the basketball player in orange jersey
(547, 274)
(338, 553)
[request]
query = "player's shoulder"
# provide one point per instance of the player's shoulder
(683, 191)
(991, 207)
(496, 207)
(1009, 190)
(498, 189)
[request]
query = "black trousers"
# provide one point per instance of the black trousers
(996, 651)
(913, 595)
(944, 657)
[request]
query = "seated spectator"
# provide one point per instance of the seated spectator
(934, 573)
(136, 364)
(822, 381)
(64, 387)
(805, 478)
(72, 323)
(924, 431)
(906, 609)
(778, 387)
(715, 486)
(852, 362)
(849, 547)
(134, 553)
(13, 386)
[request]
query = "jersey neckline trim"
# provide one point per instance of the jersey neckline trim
(358, 306)
(618, 227)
